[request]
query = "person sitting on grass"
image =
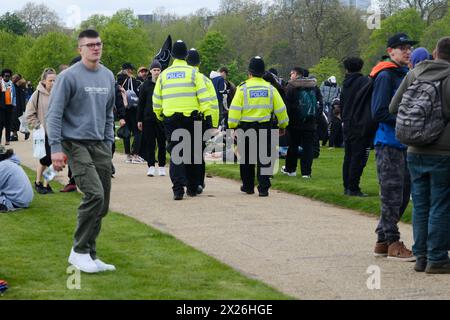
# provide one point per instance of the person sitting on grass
(15, 187)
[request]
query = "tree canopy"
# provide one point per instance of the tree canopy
(317, 35)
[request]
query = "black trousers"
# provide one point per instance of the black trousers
(131, 120)
(305, 139)
(247, 166)
(152, 134)
(47, 160)
(183, 172)
(356, 155)
(6, 114)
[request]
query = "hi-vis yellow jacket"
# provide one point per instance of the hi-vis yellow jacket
(255, 101)
(212, 99)
(180, 88)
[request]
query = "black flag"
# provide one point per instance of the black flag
(163, 55)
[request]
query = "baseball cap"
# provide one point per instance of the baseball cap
(142, 69)
(399, 39)
(127, 66)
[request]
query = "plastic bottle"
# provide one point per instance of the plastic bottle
(49, 173)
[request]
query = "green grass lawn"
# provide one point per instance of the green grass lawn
(326, 183)
(35, 245)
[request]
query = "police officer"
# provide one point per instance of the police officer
(211, 116)
(251, 110)
(179, 99)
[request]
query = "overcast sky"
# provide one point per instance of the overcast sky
(72, 10)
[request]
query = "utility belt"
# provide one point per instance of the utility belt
(254, 125)
(195, 116)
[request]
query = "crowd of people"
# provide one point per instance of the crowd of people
(79, 107)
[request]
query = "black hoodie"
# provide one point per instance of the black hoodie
(145, 107)
(353, 82)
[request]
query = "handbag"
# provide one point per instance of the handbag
(23, 125)
(124, 132)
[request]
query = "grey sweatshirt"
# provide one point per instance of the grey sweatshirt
(81, 106)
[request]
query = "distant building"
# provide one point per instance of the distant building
(360, 4)
(147, 18)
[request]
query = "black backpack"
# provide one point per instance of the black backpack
(361, 120)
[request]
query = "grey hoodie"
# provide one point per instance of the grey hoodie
(432, 71)
(35, 114)
(15, 187)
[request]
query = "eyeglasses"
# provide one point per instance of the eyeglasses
(91, 46)
(405, 47)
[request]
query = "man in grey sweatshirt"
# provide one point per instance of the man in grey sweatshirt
(80, 130)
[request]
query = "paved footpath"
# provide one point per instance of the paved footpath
(305, 248)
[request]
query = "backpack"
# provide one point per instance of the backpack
(361, 121)
(132, 98)
(307, 103)
(420, 120)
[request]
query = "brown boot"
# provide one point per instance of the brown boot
(398, 251)
(381, 249)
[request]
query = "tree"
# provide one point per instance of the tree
(12, 23)
(326, 68)
(407, 21)
(39, 18)
(435, 31)
(6, 54)
(235, 74)
(49, 50)
(125, 45)
(127, 18)
(429, 10)
(212, 51)
(96, 22)
(16, 48)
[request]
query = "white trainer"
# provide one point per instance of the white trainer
(289, 174)
(151, 172)
(103, 266)
(83, 262)
(162, 171)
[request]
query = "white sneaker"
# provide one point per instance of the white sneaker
(103, 266)
(129, 159)
(289, 174)
(162, 171)
(151, 172)
(306, 177)
(138, 160)
(83, 262)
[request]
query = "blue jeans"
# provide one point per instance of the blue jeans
(430, 176)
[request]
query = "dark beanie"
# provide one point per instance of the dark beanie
(155, 64)
(179, 50)
(193, 58)
(256, 66)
